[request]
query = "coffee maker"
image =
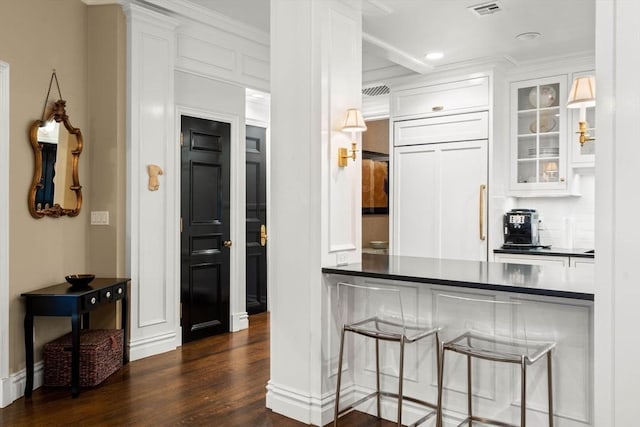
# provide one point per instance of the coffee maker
(521, 229)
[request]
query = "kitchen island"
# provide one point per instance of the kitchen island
(562, 301)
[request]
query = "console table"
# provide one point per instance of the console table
(61, 300)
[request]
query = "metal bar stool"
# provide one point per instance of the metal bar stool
(382, 319)
(487, 345)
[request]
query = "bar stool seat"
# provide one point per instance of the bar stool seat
(492, 347)
(387, 324)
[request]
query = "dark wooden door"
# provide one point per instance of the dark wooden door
(256, 145)
(205, 228)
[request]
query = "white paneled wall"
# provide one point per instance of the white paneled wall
(194, 62)
(152, 256)
(315, 205)
(617, 273)
(496, 386)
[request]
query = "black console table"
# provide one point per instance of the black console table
(61, 300)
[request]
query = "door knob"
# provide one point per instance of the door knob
(263, 235)
(227, 243)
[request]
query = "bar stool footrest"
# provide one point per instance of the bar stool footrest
(430, 405)
(467, 421)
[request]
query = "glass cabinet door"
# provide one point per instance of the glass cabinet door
(538, 136)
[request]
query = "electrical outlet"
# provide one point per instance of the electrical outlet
(99, 217)
(342, 258)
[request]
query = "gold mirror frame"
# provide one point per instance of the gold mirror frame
(58, 114)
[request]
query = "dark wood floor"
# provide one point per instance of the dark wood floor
(218, 381)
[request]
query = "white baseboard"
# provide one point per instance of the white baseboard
(151, 346)
(12, 388)
(320, 412)
(5, 392)
(301, 407)
(239, 321)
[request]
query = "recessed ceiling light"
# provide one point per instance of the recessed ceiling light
(532, 35)
(434, 55)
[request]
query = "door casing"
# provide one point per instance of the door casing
(237, 294)
(5, 389)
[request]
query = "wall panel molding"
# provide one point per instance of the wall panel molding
(151, 221)
(341, 50)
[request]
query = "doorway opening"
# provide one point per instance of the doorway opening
(205, 227)
(256, 218)
(375, 187)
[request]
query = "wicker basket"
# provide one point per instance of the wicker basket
(100, 356)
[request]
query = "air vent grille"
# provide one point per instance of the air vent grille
(485, 8)
(376, 90)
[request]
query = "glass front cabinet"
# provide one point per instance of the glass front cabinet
(538, 137)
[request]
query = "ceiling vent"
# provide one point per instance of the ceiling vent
(485, 8)
(376, 90)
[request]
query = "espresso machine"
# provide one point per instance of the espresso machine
(521, 229)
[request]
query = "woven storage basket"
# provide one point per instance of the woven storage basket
(100, 356)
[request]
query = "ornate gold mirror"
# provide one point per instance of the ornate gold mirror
(55, 189)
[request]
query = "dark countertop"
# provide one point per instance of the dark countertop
(582, 253)
(551, 281)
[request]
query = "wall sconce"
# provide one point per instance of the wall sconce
(353, 123)
(583, 95)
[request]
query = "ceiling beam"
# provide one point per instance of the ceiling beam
(383, 49)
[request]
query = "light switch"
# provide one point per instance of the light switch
(99, 217)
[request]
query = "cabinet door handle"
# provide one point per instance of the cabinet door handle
(483, 189)
(437, 108)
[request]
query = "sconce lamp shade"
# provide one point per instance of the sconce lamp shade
(354, 122)
(583, 92)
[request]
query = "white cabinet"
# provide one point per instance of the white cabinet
(582, 263)
(559, 260)
(446, 98)
(562, 261)
(538, 137)
(456, 127)
(439, 201)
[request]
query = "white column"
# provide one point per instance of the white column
(617, 318)
(152, 220)
(315, 205)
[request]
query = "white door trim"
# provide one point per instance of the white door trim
(239, 318)
(5, 396)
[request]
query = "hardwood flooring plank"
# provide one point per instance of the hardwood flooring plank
(217, 381)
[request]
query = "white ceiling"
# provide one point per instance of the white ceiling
(398, 33)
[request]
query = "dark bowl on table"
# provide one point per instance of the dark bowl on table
(79, 281)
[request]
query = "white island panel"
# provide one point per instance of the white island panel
(566, 320)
